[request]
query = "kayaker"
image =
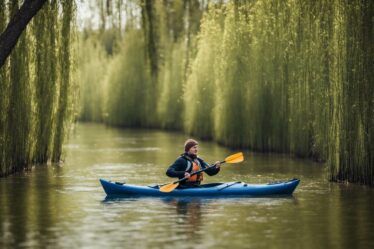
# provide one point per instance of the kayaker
(188, 163)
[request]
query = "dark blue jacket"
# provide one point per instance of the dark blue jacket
(179, 167)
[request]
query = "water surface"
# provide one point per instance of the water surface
(65, 207)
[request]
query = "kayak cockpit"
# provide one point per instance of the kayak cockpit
(208, 185)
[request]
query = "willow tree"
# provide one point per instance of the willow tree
(350, 148)
(97, 48)
(33, 81)
(18, 122)
(128, 84)
(45, 78)
(180, 27)
(170, 101)
(273, 76)
(199, 94)
(4, 81)
(64, 106)
(150, 26)
(231, 77)
(295, 77)
(167, 42)
(93, 62)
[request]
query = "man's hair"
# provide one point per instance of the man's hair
(189, 144)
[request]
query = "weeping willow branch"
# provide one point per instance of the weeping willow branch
(35, 83)
(65, 67)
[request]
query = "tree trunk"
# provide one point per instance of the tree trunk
(9, 38)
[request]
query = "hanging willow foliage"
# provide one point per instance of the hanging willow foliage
(231, 77)
(4, 81)
(34, 82)
(45, 78)
(17, 136)
(170, 102)
(303, 73)
(351, 134)
(200, 88)
(93, 63)
(64, 108)
(273, 76)
(177, 40)
(151, 94)
(127, 81)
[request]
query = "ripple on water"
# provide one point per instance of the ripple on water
(80, 189)
(116, 149)
(114, 166)
(71, 213)
(71, 146)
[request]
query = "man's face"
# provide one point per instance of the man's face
(193, 150)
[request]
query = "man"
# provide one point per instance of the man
(188, 163)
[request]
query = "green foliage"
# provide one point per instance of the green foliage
(350, 147)
(35, 83)
(93, 63)
(231, 79)
(96, 50)
(66, 94)
(272, 76)
(200, 90)
(170, 103)
(17, 142)
(4, 83)
(45, 78)
(128, 81)
(290, 78)
(144, 83)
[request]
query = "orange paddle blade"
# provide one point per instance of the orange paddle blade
(236, 158)
(169, 187)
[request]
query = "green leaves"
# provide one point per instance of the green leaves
(36, 88)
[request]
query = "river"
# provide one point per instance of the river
(65, 207)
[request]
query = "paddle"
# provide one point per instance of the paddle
(235, 158)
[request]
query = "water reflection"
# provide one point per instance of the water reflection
(63, 207)
(29, 207)
(189, 215)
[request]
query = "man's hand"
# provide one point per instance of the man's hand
(187, 175)
(218, 164)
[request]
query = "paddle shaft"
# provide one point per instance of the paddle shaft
(197, 172)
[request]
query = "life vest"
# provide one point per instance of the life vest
(193, 166)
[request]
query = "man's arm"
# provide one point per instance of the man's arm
(177, 169)
(212, 170)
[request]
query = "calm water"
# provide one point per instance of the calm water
(65, 207)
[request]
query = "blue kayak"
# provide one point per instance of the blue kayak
(115, 189)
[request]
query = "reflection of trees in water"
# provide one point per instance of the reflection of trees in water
(27, 207)
(189, 216)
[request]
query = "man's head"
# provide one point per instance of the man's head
(190, 146)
